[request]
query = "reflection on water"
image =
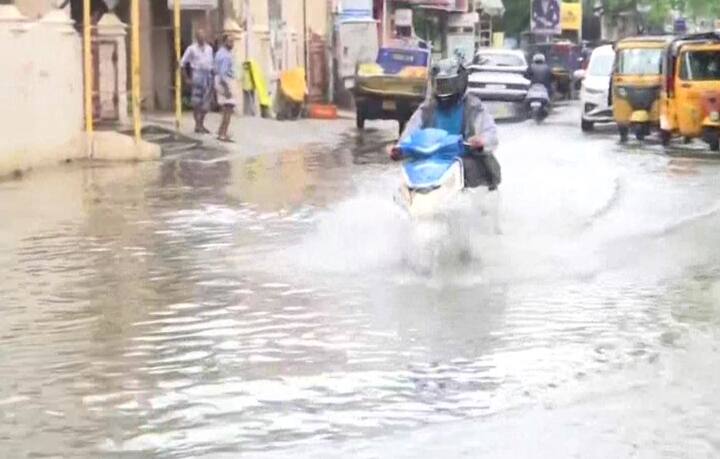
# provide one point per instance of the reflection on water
(194, 306)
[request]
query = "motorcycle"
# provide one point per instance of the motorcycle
(538, 102)
(432, 172)
(434, 195)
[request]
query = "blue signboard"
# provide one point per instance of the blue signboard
(680, 25)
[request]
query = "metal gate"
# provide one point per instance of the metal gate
(106, 84)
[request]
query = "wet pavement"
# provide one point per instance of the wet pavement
(215, 304)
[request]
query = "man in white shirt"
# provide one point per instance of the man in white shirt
(199, 57)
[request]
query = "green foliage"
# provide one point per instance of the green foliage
(517, 12)
(517, 16)
(659, 9)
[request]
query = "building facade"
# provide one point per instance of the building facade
(272, 32)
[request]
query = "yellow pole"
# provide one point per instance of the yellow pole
(178, 73)
(88, 71)
(135, 58)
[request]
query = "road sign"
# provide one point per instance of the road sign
(680, 25)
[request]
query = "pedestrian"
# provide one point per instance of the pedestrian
(225, 85)
(199, 57)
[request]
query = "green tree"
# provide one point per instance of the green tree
(710, 8)
(659, 9)
(517, 16)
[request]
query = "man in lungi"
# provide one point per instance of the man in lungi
(225, 85)
(199, 58)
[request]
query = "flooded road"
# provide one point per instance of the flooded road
(209, 305)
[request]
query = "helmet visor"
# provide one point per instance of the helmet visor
(448, 86)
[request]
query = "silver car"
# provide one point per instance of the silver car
(498, 77)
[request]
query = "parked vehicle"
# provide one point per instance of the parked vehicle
(595, 89)
(691, 89)
(498, 77)
(636, 83)
(393, 87)
(538, 101)
(355, 42)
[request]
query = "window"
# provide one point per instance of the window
(640, 61)
(499, 60)
(700, 66)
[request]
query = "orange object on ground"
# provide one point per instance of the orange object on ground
(322, 111)
(292, 84)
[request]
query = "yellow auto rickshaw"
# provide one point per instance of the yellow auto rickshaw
(636, 84)
(691, 89)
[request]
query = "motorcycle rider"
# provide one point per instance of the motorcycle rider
(459, 112)
(540, 72)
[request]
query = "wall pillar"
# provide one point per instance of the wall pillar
(112, 33)
(11, 18)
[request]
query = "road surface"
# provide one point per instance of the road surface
(217, 304)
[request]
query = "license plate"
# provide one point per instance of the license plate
(535, 104)
(495, 86)
(389, 105)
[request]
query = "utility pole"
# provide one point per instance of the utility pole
(178, 56)
(248, 28)
(135, 65)
(305, 40)
(385, 22)
(88, 73)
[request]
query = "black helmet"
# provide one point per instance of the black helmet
(449, 81)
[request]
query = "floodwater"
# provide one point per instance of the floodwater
(208, 306)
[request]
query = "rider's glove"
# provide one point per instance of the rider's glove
(396, 153)
(476, 143)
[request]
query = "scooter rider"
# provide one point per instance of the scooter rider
(540, 72)
(459, 112)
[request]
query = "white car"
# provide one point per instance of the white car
(595, 91)
(498, 77)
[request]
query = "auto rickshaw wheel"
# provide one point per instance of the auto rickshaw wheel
(624, 131)
(665, 137)
(587, 126)
(715, 143)
(360, 120)
(642, 131)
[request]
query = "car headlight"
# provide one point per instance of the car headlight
(622, 92)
